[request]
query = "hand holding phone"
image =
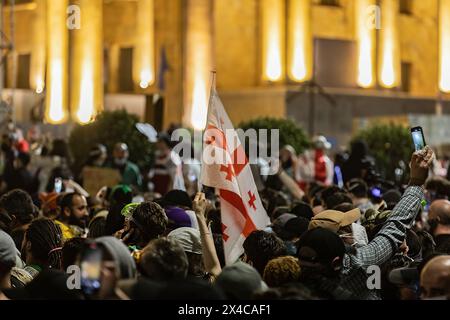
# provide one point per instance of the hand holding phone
(91, 264)
(58, 185)
(418, 138)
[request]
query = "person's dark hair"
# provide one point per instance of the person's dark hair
(358, 188)
(413, 243)
(17, 235)
(439, 186)
(66, 201)
(163, 260)
(60, 148)
(302, 209)
(279, 211)
(426, 242)
(150, 221)
(24, 158)
(336, 199)
(274, 200)
(328, 192)
(114, 220)
(344, 207)
(165, 138)
(18, 203)
(177, 198)
(97, 227)
(70, 251)
(45, 238)
(260, 247)
(196, 267)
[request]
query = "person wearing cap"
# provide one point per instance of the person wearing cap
(323, 167)
(189, 240)
(321, 258)
(240, 281)
(435, 278)
(439, 224)
(129, 171)
(392, 234)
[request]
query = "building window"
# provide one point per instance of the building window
(406, 7)
(125, 70)
(23, 71)
(406, 76)
(334, 3)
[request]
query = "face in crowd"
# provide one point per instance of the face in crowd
(77, 211)
(120, 154)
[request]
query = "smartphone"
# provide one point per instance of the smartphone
(91, 264)
(58, 185)
(418, 138)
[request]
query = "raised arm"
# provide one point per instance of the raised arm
(210, 258)
(389, 238)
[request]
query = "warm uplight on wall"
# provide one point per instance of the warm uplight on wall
(199, 62)
(366, 23)
(389, 54)
(272, 15)
(144, 52)
(300, 43)
(87, 65)
(444, 32)
(37, 64)
(57, 62)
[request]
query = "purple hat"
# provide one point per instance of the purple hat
(179, 218)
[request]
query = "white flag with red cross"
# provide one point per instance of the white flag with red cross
(226, 168)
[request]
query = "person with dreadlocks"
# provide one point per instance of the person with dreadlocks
(41, 246)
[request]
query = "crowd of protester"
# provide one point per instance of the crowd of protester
(334, 233)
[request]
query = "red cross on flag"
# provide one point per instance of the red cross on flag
(226, 168)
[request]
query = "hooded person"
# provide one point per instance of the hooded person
(116, 264)
(125, 266)
(7, 259)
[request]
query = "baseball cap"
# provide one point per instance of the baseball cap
(188, 238)
(334, 220)
(404, 276)
(240, 281)
(320, 245)
(7, 250)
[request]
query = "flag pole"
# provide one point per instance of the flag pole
(211, 92)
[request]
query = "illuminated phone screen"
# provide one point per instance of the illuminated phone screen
(418, 138)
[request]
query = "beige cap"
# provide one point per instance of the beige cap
(334, 220)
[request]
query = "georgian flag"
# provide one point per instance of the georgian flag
(226, 168)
